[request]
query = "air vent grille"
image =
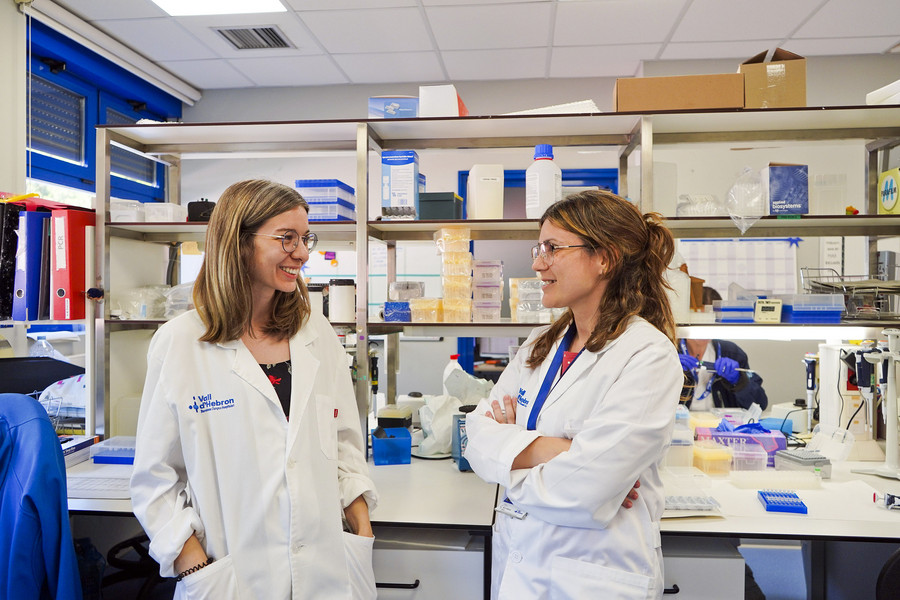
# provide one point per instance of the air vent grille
(254, 38)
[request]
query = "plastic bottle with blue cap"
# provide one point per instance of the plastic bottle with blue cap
(543, 182)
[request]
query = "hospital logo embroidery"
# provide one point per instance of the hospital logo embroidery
(205, 403)
(522, 400)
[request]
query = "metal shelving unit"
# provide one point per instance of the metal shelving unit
(627, 133)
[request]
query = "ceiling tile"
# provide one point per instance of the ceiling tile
(600, 61)
(203, 28)
(461, 2)
(289, 71)
(701, 51)
(301, 5)
(398, 67)
(829, 47)
(208, 74)
(714, 20)
(851, 18)
(157, 39)
(490, 26)
(384, 30)
(90, 10)
(615, 22)
(481, 65)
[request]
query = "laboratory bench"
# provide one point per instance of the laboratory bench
(433, 524)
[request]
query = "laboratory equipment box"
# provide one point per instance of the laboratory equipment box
(440, 205)
(786, 188)
(325, 191)
(801, 459)
(685, 92)
(393, 107)
(776, 83)
(394, 449)
(399, 184)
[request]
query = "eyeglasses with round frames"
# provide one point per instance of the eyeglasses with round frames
(545, 251)
(290, 240)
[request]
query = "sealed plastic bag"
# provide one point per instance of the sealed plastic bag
(746, 201)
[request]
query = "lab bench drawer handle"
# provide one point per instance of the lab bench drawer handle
(398, 586)
(672, 590)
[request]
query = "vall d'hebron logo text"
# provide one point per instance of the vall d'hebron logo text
(206, 403)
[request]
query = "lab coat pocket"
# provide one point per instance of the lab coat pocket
(572, 579)
(358, 550)
(215, 582)
(327, 421)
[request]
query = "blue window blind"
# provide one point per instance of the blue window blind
(128, 164)
(57, 121)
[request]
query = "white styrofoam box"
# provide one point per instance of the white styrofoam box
(441, 101)
(165, 212)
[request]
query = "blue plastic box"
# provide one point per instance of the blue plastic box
(393, 450)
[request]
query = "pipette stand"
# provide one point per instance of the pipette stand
(891, 466)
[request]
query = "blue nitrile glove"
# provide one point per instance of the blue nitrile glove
(688, 362)
(727, 368)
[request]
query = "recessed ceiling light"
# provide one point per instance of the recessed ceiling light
(183, 8)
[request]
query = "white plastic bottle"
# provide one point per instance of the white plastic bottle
(41, 347)
(543, 182)
(451, 366)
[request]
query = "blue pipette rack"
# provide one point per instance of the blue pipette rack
(782, 501)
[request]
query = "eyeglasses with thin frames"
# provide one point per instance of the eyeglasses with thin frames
(545, 251)
(290, 240)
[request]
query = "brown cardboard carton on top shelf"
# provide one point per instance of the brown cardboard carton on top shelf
(684, 92)
(777, 83)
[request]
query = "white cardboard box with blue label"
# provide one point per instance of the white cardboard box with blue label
(787, 188)
(399, 184)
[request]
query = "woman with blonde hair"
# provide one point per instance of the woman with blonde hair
(584, 410)
(250, 462)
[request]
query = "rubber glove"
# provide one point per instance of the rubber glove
(688, 362)
(727, 368)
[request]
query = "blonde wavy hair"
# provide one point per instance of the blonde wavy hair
(639, 249)
(222, 291)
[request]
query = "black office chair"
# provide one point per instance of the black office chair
(888, 585)
(132, 558)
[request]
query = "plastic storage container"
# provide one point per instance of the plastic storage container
(396, 449)
(316, 293)
(397, 311)
(325, 191)
(484, 192)
(749, 457)
(485, 312)
(457, 286)
(456, 263)
(487, 291)
(457, 310)
(487, 270)
(811, 308)
(341, 300)
(453, 239)
(164, 212)
(734, 311)
(125, 211)
(426, 310)
(399, 291)
(712, 458)
(681, 448)
(332, 211)
(543, 182)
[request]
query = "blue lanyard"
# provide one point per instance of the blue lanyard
(547, 385)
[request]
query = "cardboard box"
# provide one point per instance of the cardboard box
(441, 101)
(686, 92)
(393, 107)
(786, 188)
(888, 182)
(772, 442)
(778, 83)
(399, 184)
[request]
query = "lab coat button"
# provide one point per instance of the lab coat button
(298, 548)
(291, 463)
(516, 557)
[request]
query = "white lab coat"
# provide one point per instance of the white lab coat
(577, 541)
(216, 456)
